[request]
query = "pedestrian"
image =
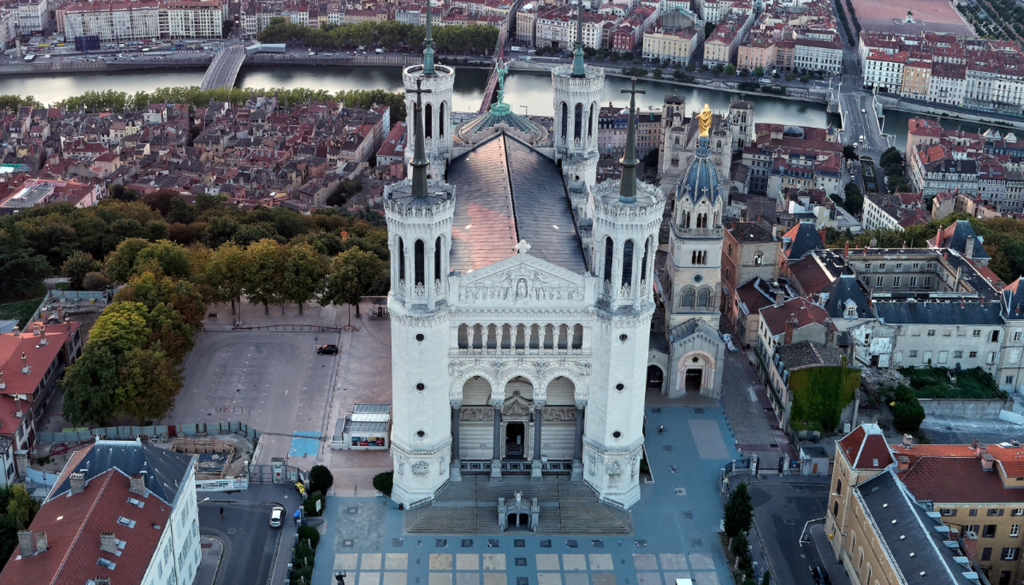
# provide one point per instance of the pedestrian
(661, 429)
(222, 512)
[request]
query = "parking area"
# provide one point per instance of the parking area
(272, 380)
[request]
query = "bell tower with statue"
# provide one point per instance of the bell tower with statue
(577, 97)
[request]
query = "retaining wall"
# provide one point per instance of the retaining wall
(971, 409)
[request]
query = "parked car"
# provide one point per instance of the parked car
(329, 349)
(276, 517)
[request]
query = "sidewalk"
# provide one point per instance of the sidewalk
(821, 542)
(212, 549)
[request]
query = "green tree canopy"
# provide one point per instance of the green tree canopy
(351, 275)
(304, 273)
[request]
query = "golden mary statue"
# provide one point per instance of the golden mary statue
(705, 120)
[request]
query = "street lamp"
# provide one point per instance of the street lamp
(526, 109)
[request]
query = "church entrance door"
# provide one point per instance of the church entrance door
(515, 440)
(654, 377)
(694, 377)
(518, 521)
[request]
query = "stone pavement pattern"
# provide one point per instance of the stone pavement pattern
(675, 529)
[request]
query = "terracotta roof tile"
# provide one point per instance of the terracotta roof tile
(865, 448)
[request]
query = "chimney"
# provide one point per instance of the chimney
(138, 484)
(101, 580)
(987, 461)
(24, 364)
(42, 335)
(969, 247)
(108, 543)
(974, 444)
(821, 234)
(790, 325)
(908, 442)
(2, 384)
(970, 541)
(904, 463)
(41, 544)
(778, 298)
(26, 546)
(846, 249)
(77, 483)
(938, 237)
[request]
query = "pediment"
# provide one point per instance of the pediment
(522, 278)
(517, 407)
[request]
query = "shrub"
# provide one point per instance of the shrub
(383, 482)
(908, 416)
(320, 479)
(308, 533)
(310, 504)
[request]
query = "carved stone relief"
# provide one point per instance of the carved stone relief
(421, 468)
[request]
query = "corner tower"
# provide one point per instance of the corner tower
(627, 217)
(577, 94)
(437, 105)
(419, 215)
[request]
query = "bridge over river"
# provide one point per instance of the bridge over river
(224, 68)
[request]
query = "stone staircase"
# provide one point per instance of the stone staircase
(471, 507)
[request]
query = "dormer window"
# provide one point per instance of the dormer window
(851, 312)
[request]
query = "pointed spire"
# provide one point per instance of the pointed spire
(428, 43)
(419, 158)
(627, 186)
(578, 69)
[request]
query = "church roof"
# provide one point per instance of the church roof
(505, 192)
(700, 179)
(490, 119)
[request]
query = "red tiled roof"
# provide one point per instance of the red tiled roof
(38, 357)
(956, 480)
(809, 273)
(73, 524)
(803, 311)
(865, 448)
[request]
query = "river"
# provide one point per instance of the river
(532, 90)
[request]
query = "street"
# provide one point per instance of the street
(250, 544)
(781, 510)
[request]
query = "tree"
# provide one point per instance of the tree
(21, 507)
(759, 71)
(90, 387)
(907, 412)
(21, 269)
(263, 280)
(849, 152)
(384, 482)
(304, 273)
(892, 155)
(225, 273)
(120, 328)
(95, 281)
(718, 69)
(691, 67)
(77, 266)
(320, 479)
(172, 258)
(351, 275)
(766, 580)
(149, 382)
(651, 159)
(739, 512)
(730, 70)
(120, 264)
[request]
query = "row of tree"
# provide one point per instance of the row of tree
(118, 101)
(391, 34)
(737, 521)
(894, 165)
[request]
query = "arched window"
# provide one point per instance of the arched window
(627, 263)
(418, 264)
(428, 119)
(719, 144)
(401, 259)
(565, 121)
(440, 120)
(702, 297)
(590, 121)
(688, 297)
(577, 125)
(643, 263)
(716, 220)
(609, 251)
(437, 259)
(686, 220)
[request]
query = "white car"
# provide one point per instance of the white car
(276, 517)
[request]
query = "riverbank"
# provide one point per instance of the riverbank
(950, 112)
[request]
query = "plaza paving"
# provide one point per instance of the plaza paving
(675, 528)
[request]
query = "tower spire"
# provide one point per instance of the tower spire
(627, 186)
(428, 44)
(578, 69)
(419, 159)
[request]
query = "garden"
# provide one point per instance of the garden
(974, 384)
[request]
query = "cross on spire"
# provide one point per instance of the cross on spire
(627, 185)
(419, 159)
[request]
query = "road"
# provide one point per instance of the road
(250, 544)
(225, 66)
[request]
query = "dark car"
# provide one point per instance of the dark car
(329, 349)
(820, 576)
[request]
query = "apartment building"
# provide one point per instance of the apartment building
(33, 16)
(721, 47)
(882, 532)
(120, 21)
(526, 25)
(630, 31)
(947, 84)
(676, 45)
(119, 508)
(917, 76)
(754, 54)
(885, 71)
(819, 54)
(893, 212)
(751, 251)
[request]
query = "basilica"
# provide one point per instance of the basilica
(533, 308)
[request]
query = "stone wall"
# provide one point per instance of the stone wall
(970, 409)
(889, 102)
